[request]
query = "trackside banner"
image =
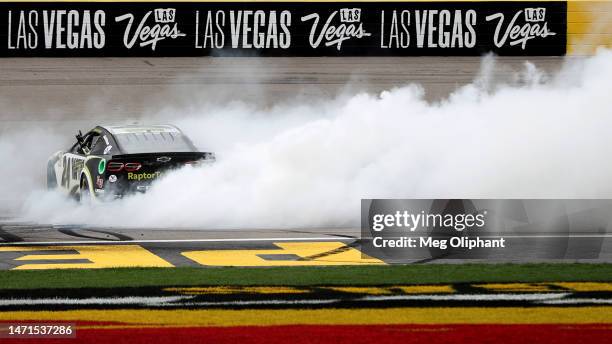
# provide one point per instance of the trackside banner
(282, 29)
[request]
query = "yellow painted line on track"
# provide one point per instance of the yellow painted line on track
(405, 289)
(362, 290)
(310, 254)
(515, 287)
(236, 290)
(113, 256)
(99, 256)
(492, 288)
(545, 287)
(426, 289)
(585, 286)
(362, 316)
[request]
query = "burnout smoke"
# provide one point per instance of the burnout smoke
(309, 164)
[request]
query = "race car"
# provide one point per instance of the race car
(113, 161)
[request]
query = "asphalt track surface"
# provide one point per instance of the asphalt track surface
(62, 94)
(83, 89)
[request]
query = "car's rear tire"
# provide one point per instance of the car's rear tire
(84, 194)
(51, 177)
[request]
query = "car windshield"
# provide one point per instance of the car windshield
(152, 141)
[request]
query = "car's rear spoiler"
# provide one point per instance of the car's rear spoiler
(162, 155)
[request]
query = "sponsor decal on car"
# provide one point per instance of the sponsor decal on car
(72, 166)
(143, 175)
(112, 178)
(99, 182)
(101, 166)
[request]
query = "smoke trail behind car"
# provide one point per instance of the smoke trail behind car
(309, 162)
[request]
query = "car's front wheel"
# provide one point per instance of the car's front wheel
(84, 194)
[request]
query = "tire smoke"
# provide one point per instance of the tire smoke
(309, 163)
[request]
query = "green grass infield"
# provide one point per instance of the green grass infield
(305, 276)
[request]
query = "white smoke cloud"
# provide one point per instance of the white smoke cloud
(24, 153)
(309, 163)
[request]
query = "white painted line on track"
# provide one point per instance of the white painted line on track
(186, 301)
(130, 300)
(427, 297)
(110, 242)
(578, 301)
(257, 303)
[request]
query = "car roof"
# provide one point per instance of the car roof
(137, 128)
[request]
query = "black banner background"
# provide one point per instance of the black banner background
(26, 35)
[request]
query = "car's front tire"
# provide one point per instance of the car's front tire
(84, 194)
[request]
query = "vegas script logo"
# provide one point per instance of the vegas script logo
(350, 27)
(147, 33)
(535, 26)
